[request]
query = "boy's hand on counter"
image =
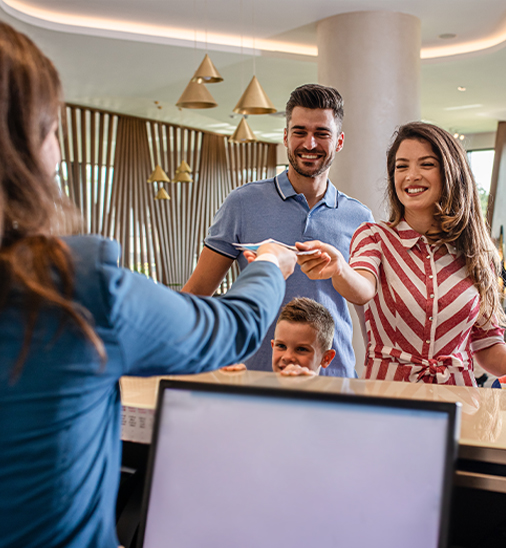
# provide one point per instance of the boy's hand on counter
(234, 367)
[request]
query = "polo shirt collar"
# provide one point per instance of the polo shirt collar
(409, 237)
(286, 190)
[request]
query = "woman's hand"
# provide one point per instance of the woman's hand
(356, 286)
(325, 263)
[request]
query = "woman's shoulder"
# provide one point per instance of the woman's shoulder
(374, 229)
(96, 267)
(93, 249)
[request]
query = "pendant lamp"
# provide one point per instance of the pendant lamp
(162, 194)
(196, 96)
(243, 133)
(183, 173)
(207, 73)
(158, 176)
(254, 100)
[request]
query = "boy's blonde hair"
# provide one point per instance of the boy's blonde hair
(304, 310)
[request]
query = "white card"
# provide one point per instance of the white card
(255, 246)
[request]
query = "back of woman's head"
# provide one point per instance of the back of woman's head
(30, 89)
(33, 210)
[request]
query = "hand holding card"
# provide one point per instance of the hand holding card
(254, 246)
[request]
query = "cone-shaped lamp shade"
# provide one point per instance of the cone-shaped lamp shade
(158, 176)
(182, 177)
(243, 133)
(254, 100)
(196, 96)
(183, 167)
(207, 73)
(162, 195)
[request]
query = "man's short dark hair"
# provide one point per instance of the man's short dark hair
(305, 310)
(316, 96)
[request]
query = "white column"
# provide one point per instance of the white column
(373, 60)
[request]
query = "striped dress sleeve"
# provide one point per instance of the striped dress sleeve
(365, 249)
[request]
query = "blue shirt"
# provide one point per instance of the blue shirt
(272, 209)
(60, 421)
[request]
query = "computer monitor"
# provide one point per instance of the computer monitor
(240, 466)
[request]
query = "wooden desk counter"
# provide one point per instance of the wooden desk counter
(483, 428)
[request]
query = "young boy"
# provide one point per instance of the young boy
(302, 341)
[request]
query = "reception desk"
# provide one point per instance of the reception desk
(479, 506)
(482, 448)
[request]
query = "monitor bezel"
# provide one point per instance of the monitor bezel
(451, 409)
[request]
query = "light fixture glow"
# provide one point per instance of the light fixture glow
(130, 30)
(464, 107)
(112, 28)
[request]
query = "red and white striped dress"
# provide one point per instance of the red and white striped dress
(423, 323)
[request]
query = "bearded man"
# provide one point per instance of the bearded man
(300, 204)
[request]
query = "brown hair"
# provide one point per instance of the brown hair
(304, 310)
(458, 212)
(316, 96)
(33, 210)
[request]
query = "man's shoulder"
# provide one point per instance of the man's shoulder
(354, 206)
(349, 201)
(255, 187)
(254, 194)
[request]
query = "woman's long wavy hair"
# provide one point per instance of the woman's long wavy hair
(33, 210)
(458, 212)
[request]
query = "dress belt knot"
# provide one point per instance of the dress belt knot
(437, 369)
(432, 370)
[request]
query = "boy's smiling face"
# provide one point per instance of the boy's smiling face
(297, 343)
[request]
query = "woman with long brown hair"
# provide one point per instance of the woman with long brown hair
(428, 277)
(72, 322)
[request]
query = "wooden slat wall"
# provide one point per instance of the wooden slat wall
(88, 137)
(107, 159)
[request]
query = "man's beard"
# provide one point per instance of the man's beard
(310, 172)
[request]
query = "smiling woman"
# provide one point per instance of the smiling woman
(418, 184)
(427, 277)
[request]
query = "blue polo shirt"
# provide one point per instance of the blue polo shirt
(272, 209)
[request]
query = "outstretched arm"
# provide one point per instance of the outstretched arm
(208, 274)
(160, 331)
(356, 286)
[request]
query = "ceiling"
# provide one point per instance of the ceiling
(123, 55)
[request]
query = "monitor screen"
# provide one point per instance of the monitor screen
(276, 469)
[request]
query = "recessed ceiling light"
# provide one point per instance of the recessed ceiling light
(461, 88)
(447, 35)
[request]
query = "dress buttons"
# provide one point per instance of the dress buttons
(428, 342)
(428, 257)
(431, 295)
(430, 319)
(431, 276)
